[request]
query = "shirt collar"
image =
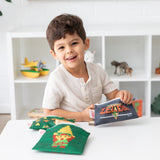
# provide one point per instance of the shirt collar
(70, 75)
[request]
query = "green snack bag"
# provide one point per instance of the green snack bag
(47, 122)
(63, 138)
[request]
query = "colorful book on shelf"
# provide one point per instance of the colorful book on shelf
(36, 113)
(115, 110)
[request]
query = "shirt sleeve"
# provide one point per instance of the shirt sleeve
(52, 94)
(107, 84)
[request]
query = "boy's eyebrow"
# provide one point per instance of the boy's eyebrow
(76, 39)
(59, 44)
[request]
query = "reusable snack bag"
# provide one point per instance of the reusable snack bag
(63, 138)
(113, 111)
(47, 122)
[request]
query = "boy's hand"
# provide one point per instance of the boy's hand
(126, 96)
(85, 113)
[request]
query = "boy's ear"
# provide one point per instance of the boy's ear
(53, 54)
(87, 42)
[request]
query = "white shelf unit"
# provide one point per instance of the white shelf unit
(141, 50)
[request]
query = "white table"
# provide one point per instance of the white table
(137, 139)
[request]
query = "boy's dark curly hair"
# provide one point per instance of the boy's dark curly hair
(63, 24)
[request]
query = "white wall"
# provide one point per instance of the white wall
(93, 12)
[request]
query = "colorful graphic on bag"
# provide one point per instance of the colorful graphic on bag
(137, 104)
(113, 111)
(48, 122)
(62, 137)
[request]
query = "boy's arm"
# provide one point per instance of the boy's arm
(126, 96)
(78, 116)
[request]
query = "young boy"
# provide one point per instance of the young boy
(75, 86)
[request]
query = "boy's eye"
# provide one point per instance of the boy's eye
(60, 48)
(74, 43)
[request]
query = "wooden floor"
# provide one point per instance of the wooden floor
(4, 118)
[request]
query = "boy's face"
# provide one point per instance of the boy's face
(70, 51)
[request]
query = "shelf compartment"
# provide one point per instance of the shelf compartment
(28, 96)
(138, 90)
(155, 91)
(155, 56)
(96, 45)
(35, 49)
(155, 85)
(134, 50)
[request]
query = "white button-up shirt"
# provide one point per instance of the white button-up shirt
(67, 92)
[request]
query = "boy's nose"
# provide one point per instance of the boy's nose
(69, 50)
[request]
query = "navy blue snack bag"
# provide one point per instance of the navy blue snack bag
(113, 111)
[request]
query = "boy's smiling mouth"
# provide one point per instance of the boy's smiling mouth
(72, 58)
